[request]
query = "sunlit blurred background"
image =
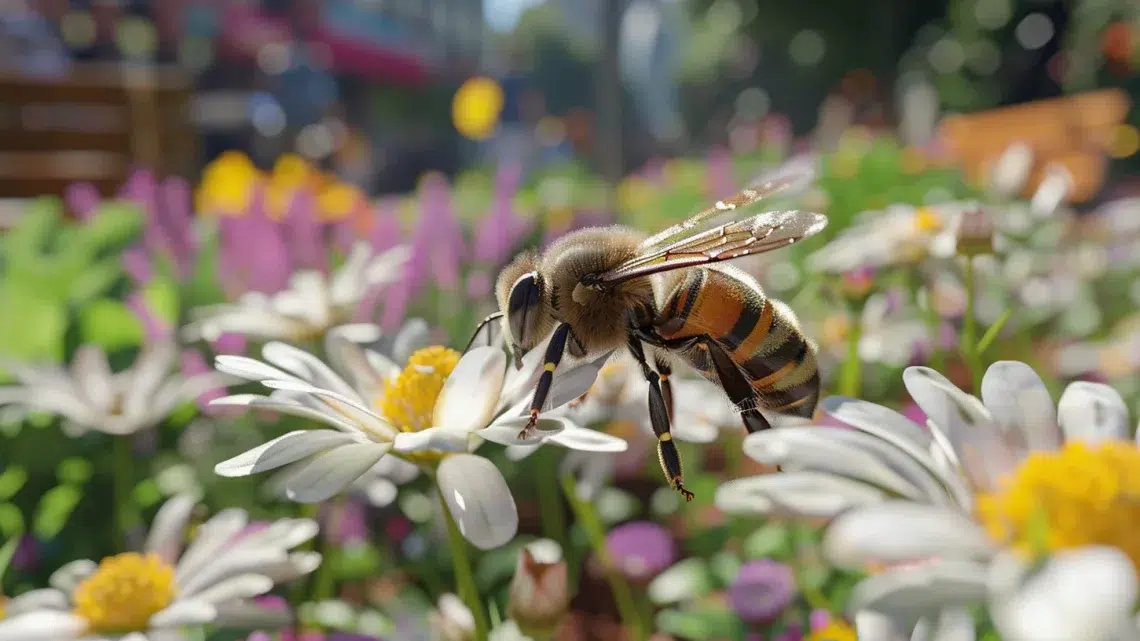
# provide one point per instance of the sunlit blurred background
(197, 178)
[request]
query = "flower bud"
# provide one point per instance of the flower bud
(451, 620)
(539, 592)
(975, 233)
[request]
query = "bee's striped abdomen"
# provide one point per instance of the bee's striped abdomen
(761, 335)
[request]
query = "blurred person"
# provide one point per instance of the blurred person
(28, 42)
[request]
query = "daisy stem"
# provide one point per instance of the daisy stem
(850, 378)
(549, 499)
(623, 594)
(969, 344)
(465, 576)
(124, 513)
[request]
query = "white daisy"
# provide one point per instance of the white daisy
(1010, 476)
(434, 413)
(89, 396)
(311, 305)
(154, 594)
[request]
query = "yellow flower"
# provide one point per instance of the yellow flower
(408, 401)
(338, 201)
(834, 631)
(1080, 495)
(125, 592)
(228, 184)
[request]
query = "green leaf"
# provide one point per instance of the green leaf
(28, 237)
(11, 520)
(356, 561)
(32, 327)
(993, 331)
(11, 481)
(110, 324)
(161, 296)
(55, 509)
(74, 470)
(768, 541)
(8, 551)
(700, 625)
(114, 225)
(93, 281)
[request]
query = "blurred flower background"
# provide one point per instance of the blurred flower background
(244, 246)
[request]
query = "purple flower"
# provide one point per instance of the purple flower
(794, 632)
(82, 199)
(819, 619)
(641, 549)
(762, 590)
(303, 233)
(154, 328)
(347, 523)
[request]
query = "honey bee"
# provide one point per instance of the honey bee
(669, 298)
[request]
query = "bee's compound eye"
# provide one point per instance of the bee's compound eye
(524, 306)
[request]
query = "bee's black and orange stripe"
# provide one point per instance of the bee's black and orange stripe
(759, 334)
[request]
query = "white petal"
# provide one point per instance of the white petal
(307, 367)
(93, 376)
(592, 470)
(263, 324)
(296, 565)
(471, 393)
(283, 450)
(1018, 400)
(873, 626)
(235, 559)
(381, 492)
(326, 474)
(1093, 412)
(978, 442)
(41, 599)
(345, 283)
(169, 526)
(954, 624)
(806, 494)
(242, 586)
(586, 440)
(478, 498)
(42, 625)
(898, 531)
(250, 616)
(347, 355)
(250, 368)
(914, 592)
(693, 429)
(147, 374)
(353, 410)
(433, 438)
(904, 434)
(212, 536)
(184, 613)
(71, 574)
(1086, 593)
(506, 431)
(844, 453)
(413, 335)
(287, 405)
(385, 268)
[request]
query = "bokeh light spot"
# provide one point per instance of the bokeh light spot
(476, 108)
(807, 48)
(1034, 31)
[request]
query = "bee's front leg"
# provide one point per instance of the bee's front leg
(550, 362)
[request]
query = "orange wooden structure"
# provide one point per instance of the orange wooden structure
(93, 125)
(1074, 131)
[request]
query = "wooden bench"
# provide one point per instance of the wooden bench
(93, 125)
(1075, 131)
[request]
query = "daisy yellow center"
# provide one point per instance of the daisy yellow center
(1081, 495)
(125, 592)
(834, 631)
(3, 602)
(926, 220)
(408, 401)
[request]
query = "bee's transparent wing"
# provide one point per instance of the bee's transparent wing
(753, 235)
(733, 208)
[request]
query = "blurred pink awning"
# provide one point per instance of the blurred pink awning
(245, 30)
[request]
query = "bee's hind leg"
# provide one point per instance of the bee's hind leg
(737, 386)
(667, 454)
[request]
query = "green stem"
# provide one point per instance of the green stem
(850, 378)
(465, 576)
(969, 342)
(623, 594)
(124, 505)
(324, 583)
(549, 497)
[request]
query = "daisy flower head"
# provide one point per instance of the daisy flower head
(435, 412)
(956, 512)
(311, 304)
(154, 594)
(88, 395)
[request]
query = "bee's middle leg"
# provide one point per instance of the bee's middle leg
(667, 454)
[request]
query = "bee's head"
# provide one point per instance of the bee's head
(522, 297)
